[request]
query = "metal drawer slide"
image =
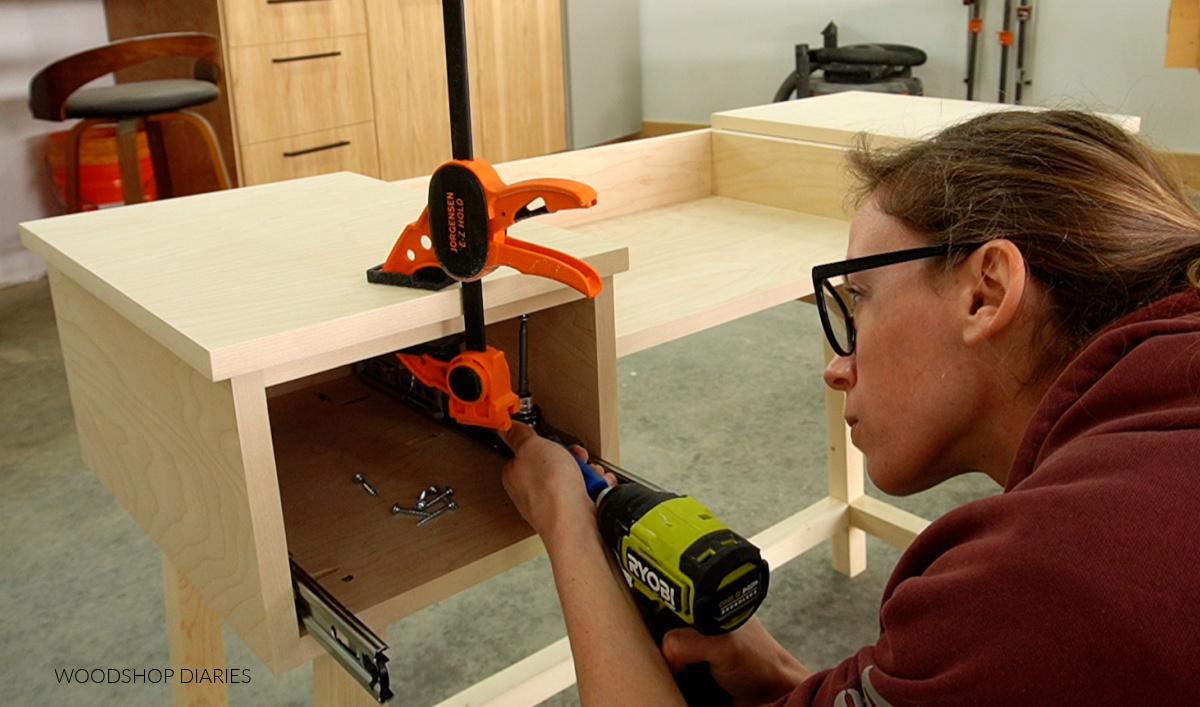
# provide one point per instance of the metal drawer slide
(354, 646)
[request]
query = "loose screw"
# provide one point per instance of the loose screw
(435, 514)
(358, 479)
(398, 509)
(423, 502)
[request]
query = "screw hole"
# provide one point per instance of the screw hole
(348, 578)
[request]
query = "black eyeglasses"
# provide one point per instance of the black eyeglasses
(836, 317)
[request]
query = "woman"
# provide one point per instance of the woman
(1021, 300)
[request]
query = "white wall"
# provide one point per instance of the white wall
(604, 70)
(703, 56)
(33, 33)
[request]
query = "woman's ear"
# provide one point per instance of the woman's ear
(994, 279)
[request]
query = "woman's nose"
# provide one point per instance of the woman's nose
(841, 373)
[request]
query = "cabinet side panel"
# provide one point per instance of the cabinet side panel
(300, 87)
(165, 442)
(628, 176)
(572, 367)
(520, 86)
(409, 81)
(801, 176)
(262, 22)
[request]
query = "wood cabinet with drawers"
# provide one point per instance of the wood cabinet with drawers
(318, 86)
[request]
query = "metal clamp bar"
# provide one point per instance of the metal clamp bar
(322, 55)
(354, 646)
(318, 148)
(623, 475)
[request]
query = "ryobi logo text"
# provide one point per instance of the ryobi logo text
(648, 575)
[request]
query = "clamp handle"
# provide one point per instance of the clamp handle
(464, 230)
(478, 383)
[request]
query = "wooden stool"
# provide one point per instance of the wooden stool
(57, 93)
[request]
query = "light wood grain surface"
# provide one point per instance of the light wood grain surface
(889, 118)
(628, 177)
(517, 54)
(349, 148)
(189, 459)
(243, 280)
(291, 88)
(801, 176)
(349, 540)
(193, 639)
(1183, 35)
(410, 89)
(701, 263)
(256, 22)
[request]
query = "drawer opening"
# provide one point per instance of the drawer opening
(332, 426)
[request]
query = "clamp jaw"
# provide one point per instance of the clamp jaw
(477, 382)
(461, 236)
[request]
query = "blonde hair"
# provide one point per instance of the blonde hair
(1092, 209)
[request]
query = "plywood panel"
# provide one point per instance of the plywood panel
(262, 22)
(350, 148)
(290, 88)
(184, 456)
(519, 65)
(628, 177)
(702, 263)
(801, 176)
(349, 540)
(838, 118)
(1183, 34)
(250, 278)
(412, 121)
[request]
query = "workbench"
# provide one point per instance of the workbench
(209, 344)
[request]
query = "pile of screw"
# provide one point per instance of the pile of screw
(426, 502)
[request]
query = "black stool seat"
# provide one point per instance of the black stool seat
(139, 98)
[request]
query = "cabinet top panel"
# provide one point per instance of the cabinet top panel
(890, 118)
(247, 279)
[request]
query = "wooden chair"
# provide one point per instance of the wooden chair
(57, 93)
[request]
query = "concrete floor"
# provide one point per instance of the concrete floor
(732, 416)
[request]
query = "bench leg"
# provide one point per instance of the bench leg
(194, 641)
(845, 482)
(333, 686)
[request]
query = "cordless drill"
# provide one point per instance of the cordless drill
(686, 567)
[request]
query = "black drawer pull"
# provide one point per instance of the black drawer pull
(322, 55)
(305, 151)
(280, 2)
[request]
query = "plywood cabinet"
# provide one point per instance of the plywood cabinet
(363, 82)
(220, 405)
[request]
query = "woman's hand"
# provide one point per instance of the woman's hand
(749, 663)
(546, 484)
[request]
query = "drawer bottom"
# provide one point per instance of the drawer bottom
(349, 540)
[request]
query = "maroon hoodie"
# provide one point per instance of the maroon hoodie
(1080, 584)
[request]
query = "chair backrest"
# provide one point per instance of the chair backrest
(49, 89)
